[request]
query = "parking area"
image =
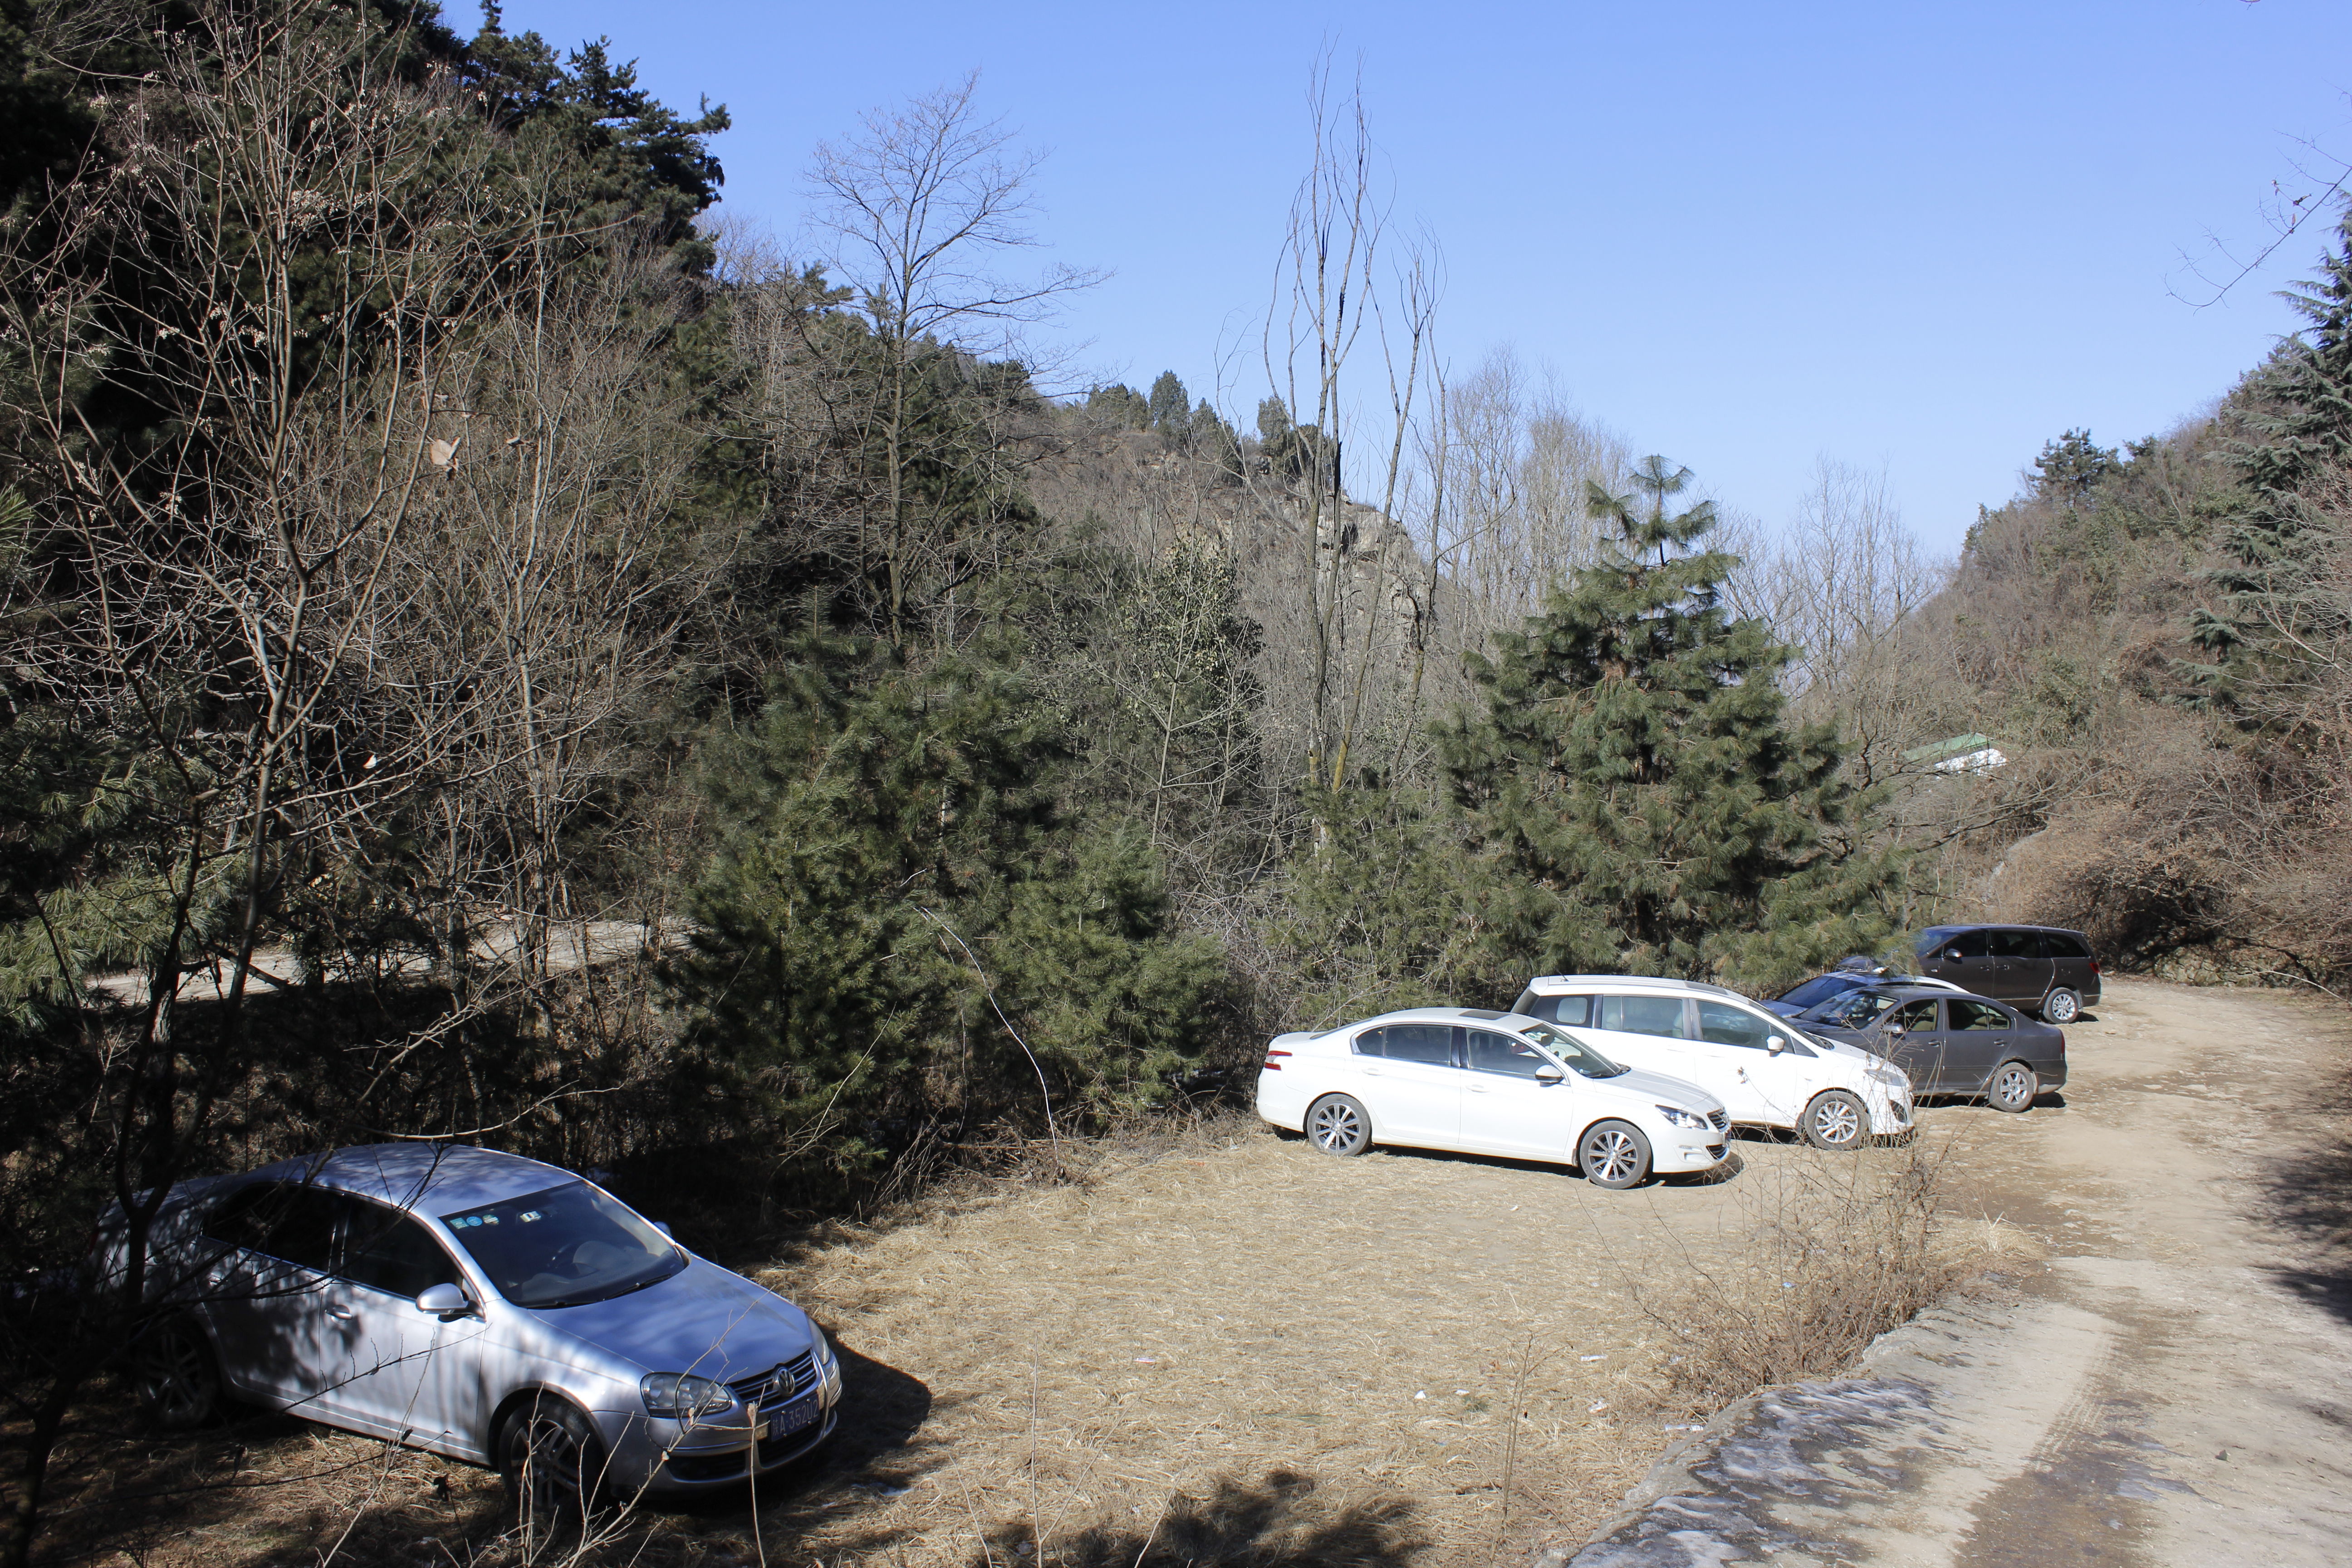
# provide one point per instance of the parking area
(1229, 1345)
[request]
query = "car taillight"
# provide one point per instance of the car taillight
(1271, 1065)
(2095, 966)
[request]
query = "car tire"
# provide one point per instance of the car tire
(2061, 1007)
(1613, 1155)
(1339, 1124)
(178, 1375)
(1836, 1119)
(2012, 1088)
(553, 1463)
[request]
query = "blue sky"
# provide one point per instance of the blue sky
(1922, 237)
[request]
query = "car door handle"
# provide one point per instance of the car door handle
(337, 1310)
(1372, 1072)
(1479, 1089)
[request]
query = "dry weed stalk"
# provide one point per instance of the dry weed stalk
(1837, 1250)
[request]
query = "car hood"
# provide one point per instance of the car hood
(704, 1320)
(1650, 1088)
(1842, 1045)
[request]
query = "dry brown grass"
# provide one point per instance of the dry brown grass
(1838, 1251)
(1205, 1345)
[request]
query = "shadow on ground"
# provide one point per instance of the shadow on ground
(1731, 1167)
(2310, 1198)
(1282, 1522)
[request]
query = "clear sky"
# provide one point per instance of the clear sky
(1922, 236)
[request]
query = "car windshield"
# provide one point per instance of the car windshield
(1820, 988)
(566, 1247)
(1848, 1011)
(1573, 1054)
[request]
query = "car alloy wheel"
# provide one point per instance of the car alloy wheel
(2062, 1007)
(1835, 1120)
(552, 1461)
(1613, 1155)
(1339, 1126)
(2013, 1086)
(178, 1378)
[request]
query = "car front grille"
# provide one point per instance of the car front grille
(778, 1383)
(1722, 1121)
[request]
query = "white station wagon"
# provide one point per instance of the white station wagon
(1769, 1072)
(1487, 1083)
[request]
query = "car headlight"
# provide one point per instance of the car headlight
(681, 1395)
(828, 1364)
(1677, 1117)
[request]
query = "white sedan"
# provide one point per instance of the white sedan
(1487, 1083)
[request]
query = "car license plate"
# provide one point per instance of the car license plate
(793, 1418)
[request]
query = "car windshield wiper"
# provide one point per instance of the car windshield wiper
(650, 1280)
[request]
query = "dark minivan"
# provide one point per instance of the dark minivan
(2043, 969)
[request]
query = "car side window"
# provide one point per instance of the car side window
(1727, 1025)
(2059, 944)
(1663, 1016)
(285, 1219)
(1917, 1017)
(1570, 1010)
(1975, 1016)
(1505, 1054)
(1860, 1009)
(1370, 1043)
(392, 1251)
(2013, 943)
(1432, 1044)
(1967, 944)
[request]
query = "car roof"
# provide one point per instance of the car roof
(1926, 992)
(432, 1178)
(1439, 1016)
(1550, 983)
(1999, 925)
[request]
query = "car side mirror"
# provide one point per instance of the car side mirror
(663, 1227)
(1892, 1030)
(1953, 954)
(1550, 1073)
(1775, 1046)
(444, 1300)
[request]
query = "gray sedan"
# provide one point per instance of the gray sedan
(1948, 1044)
(481, 1306)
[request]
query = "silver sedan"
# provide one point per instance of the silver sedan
(482, 1306)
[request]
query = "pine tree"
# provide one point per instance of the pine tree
(1170, 408)
(903, 923)
(1636, 797)
(2306, 430)
(2070, 467)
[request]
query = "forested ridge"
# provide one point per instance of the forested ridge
(493, 653)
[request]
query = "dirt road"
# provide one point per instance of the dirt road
(2168, 1384)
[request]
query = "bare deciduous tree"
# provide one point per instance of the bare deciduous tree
(924, 206)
